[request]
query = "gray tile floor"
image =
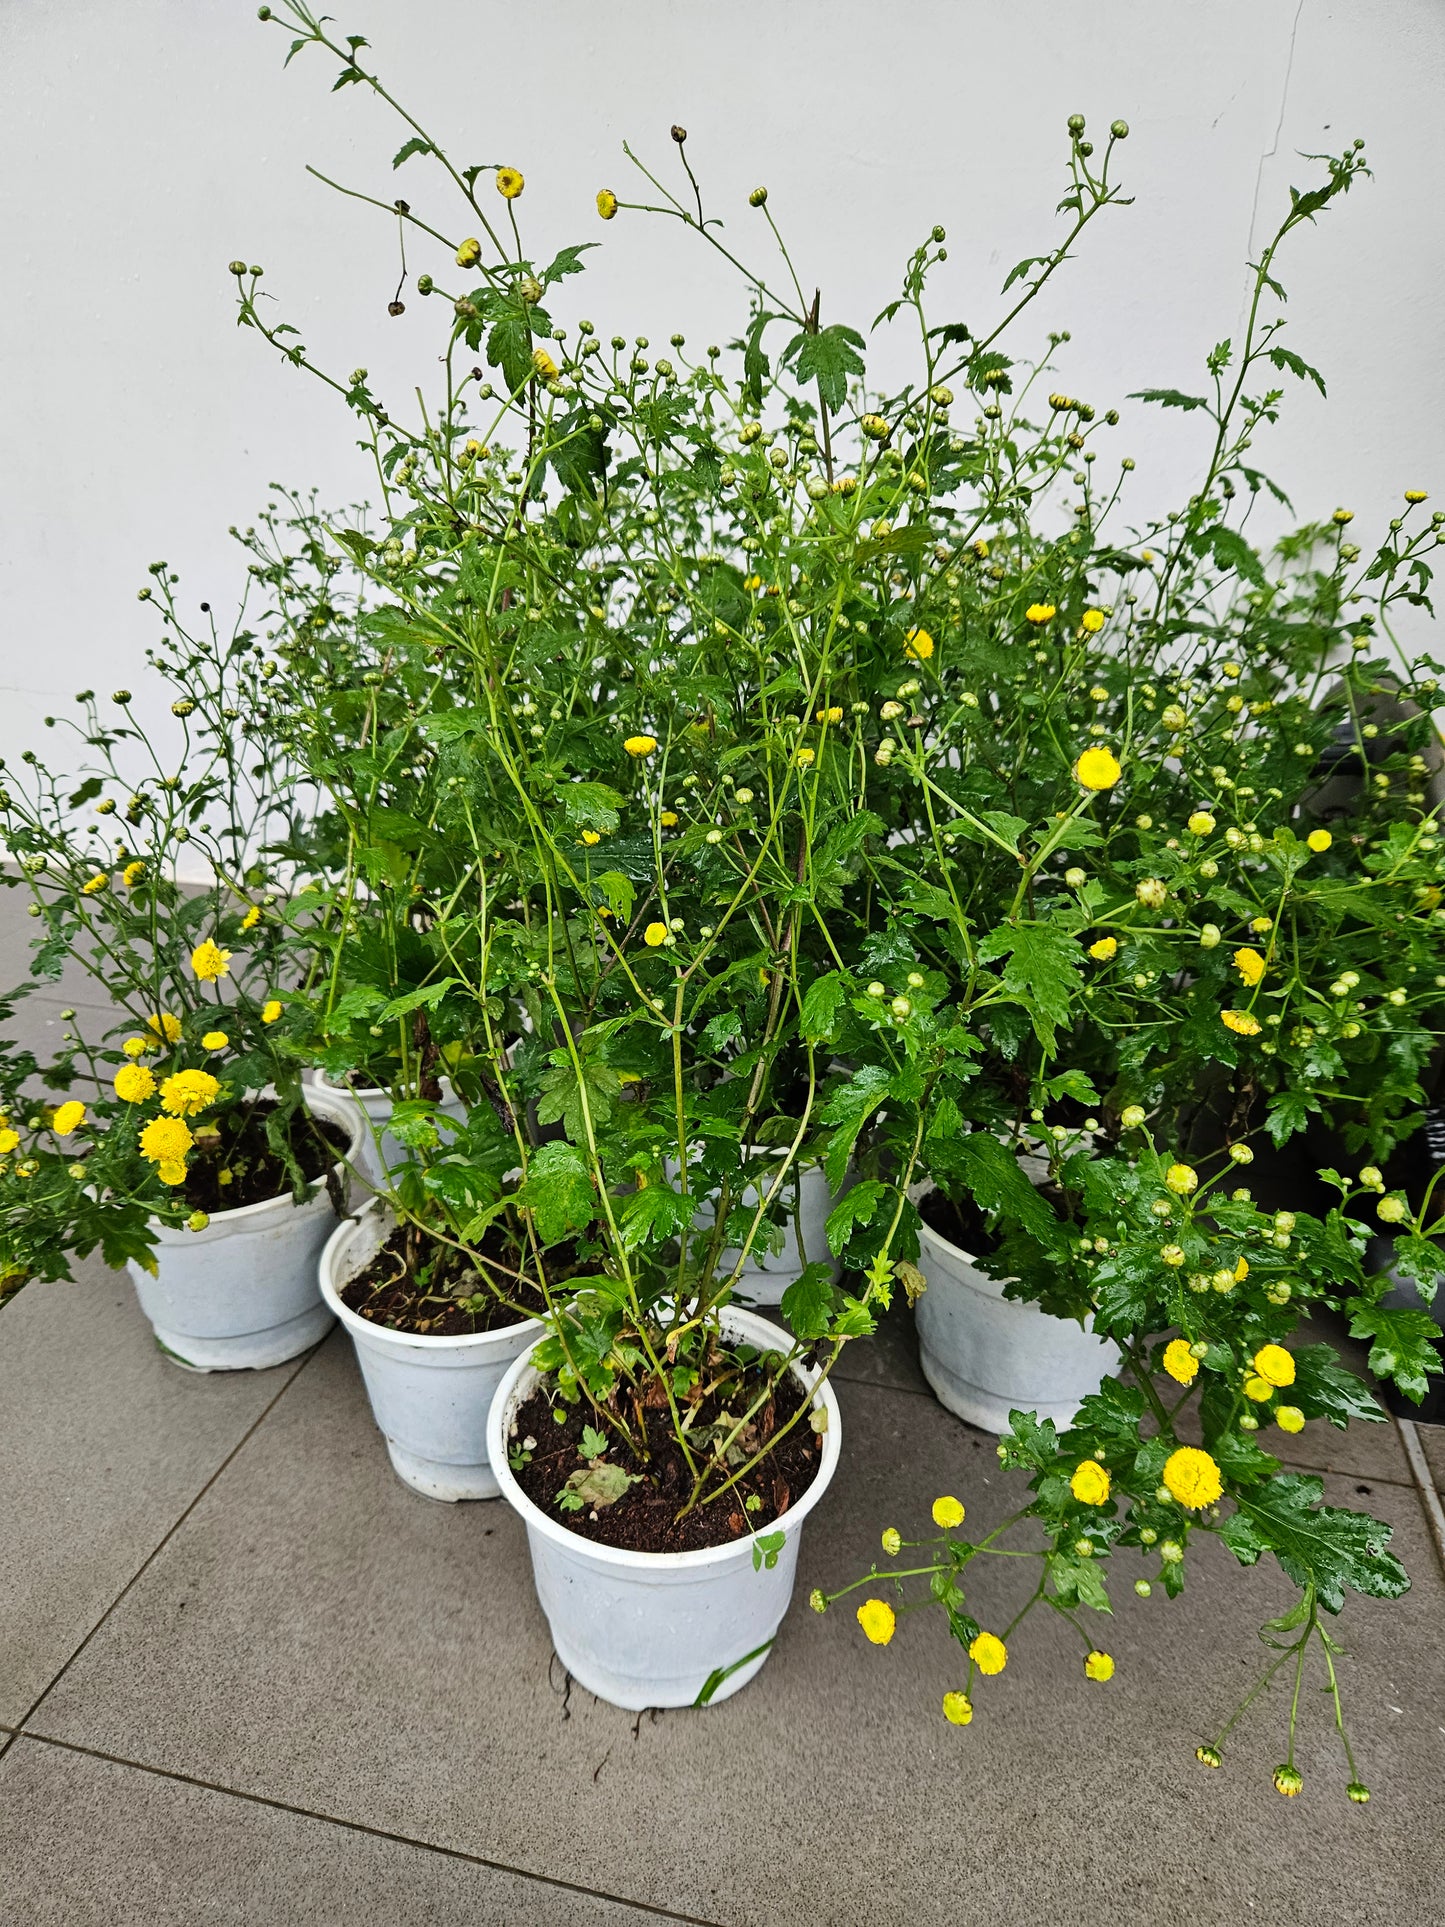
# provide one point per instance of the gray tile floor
(246, 1676)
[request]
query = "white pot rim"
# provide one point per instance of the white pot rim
(337, 1109)
(360, 1092)
(387, 1334)
(742, 1324)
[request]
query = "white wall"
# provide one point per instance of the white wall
(144, 144)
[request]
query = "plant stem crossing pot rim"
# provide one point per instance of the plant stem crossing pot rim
(736, 1323)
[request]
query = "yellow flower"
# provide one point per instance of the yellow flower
(131, 875)
(1416, 495)
(469, 253)
(209, 961)
(1241, 1271)
(1250, 965)
(1104, 949)
(1289, 1418)
(654, 935)
(136, 1046)
(1201, 823)
(892, 1541)
(640, 745)
(187, 1092)
(804, 757)
(1319, 841)
(947, 1512)
(1099, 1666)
(1276, 1364)
(134, 1084)
(270, 1010)
(164, 1026)
(1181, 1179)
(668, 819)
(957, 1709)
(833, 715)
(252, 917)
(988, 1653)
(918, 644)
(68, 1118)
(1240, 1021)
(9, 1141)
(1092, 621)
(1193, 1477)
(1098, 769)
(97, 882)
(876, 1618)
(1040, 612)
(752, 582)
(509, 183)
(606, 203)
(1090, 1483)
(171, 1172)
(215, 1040)
(544, 364)
(1180, 1362)
(590, 837)
(166, 1140)
(1258, 1389)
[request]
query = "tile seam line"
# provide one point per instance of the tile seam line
(165, 1539)
(375, 1833)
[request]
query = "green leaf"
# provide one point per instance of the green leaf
(1030, 1441)
(620, 893)
(827, 995)
(809, 1301)
(558, 1191)
(1041, 973)
(1324, 1388)
(1319, 1544)
(1169, 398)
(427, 998)
(720, 1031)
(829, 358)
(992, 1175)
(847, 1110)
(593, 1444)
(591, 806)
(1289, 1113)
(855, 1207)
(1297, 365)
(567, 261)
(655, 1214)
(1405, 1347)
(413, 146)
(1229, 550)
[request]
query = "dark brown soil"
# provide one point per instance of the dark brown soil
(644, 1518)
(415, 1284)
(962, 1224)
(238, 1167)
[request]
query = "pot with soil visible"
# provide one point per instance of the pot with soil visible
(242, 1294)
(380, 1151)
(431, 1388)
(642, 1628)
(986, 1355)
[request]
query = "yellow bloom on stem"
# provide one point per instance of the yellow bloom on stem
(131, 875)
(805, 757)
(270, 1010)
(1097, 769)
(9, 1141)
(209, 961)
(988, 1653)
(1289, 1418)
(655, 935)
(1241, 1022)
(591, 838)
(1193, 1477)
(957, 1709)
(165, 1026)
(134, 1084)
(171, 1172)
(1259, 1390)
(1180, 1363)
(1276, 1364)
(947, 1512)
(469, 253)
(877, 1619)
(68, 1118)
(1040, 612)
(918, 644)
(1181, 1179)
(1200, 823)
(1090, 1483)
(606, 203)
(215, 1040)
(831, 715)
(1250, 966)
(668, 819)
(1092, 621)
(187, 1092)
(137, 1046)
(640, 745)
(252, 917)
(1319, 841)
(1104, 949)
(166, 1140)
(543, 363)
(509, 183)
(97, 882)
(1099, 1666)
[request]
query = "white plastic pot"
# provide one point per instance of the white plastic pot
(429, 1396)
(242, 1294)
(986, 1355)
(808, 1201)
(643, 1629)
(380, 1151)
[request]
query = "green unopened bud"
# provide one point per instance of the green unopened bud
(1119, 129)
(758, 197)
